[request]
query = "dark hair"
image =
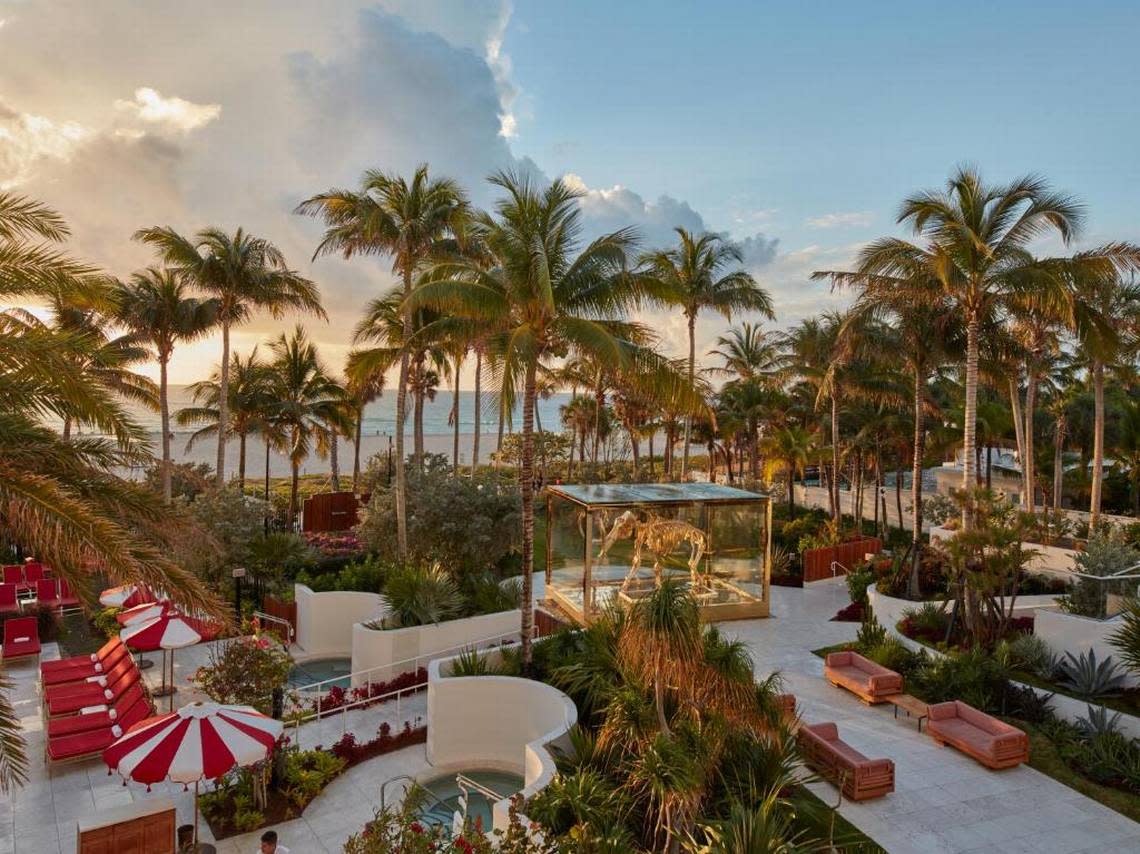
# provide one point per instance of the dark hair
(269, 836)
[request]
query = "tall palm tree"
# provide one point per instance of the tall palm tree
(155, 304)
(702, 272)
(406, 220)
(974, 254)
(1107, 323)
(244, 274)
(247, 406)
(308, 402)
(63, 500)
(749, 353)
(552, 297)
(794, 445)
(361, 390)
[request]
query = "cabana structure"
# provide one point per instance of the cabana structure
(616, 542)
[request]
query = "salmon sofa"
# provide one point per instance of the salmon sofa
(860, 778)
(786, 703)
(994, 743)
(871, 682)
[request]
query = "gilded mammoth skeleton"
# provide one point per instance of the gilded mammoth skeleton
(661, 537)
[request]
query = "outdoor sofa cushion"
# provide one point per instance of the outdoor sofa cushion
(994, 743)
(861, 676)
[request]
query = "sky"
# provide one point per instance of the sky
(794, 128)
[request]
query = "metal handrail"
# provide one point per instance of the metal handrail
(836, 563)
(464, 782)
(269, 618)
(384, 790)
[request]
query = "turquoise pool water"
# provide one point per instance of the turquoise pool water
(446, 790)
(320, 669)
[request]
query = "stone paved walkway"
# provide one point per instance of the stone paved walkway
(944, 802)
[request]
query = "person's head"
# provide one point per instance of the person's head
(269, 842)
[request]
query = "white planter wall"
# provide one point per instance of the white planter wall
(325, 620)
(378, 655)
(496, 722)
(1050, 559)
(889, 610)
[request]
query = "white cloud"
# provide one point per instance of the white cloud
(841, 220)
(609, 209)
(26, 140)
(150, 107)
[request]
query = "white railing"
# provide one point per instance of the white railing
(363, 682)
(264, 619)
(836, 564)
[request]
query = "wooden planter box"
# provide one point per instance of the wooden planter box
(817, 562)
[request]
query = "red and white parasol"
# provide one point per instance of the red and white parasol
(201, 741)
(127, 596)
(142, 613)
(168, 631)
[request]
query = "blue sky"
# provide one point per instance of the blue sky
(790, 111)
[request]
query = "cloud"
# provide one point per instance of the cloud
(151, 108)
(26, 140)
(606, 210)
(841, 220)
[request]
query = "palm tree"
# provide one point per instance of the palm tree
(243, 274)
(247, 408)
(1106, 323)
(794, 445)
(974, 255)
(308, 403)
(749, 353)
(155, 305)
(550, 299)
(692, 276)
(361, 390)
(406, 220)
(62, 499)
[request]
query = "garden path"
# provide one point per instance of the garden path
(943, 800)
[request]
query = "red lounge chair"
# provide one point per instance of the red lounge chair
(82, 672)
(85, 660)
(994, 743)
(97, 717)
(81, 745)
(67, 599)
(8, 602)
(102, 680)
(91, 694)
(47, 592)
(14, 574)
(33, 572)
(21, 638)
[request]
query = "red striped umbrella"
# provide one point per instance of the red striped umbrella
(201, 741)
(141, 613)
(127, 596)
(168, 631)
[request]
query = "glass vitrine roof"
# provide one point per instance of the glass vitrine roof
(652, 493)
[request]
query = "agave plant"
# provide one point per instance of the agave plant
(1032, 653)
(1098, 722)
(1086, 677)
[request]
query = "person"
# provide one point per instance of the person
(269, 844)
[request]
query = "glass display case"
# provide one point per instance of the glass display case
(615, 543)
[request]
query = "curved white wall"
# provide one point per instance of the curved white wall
(1076, 634)
(325, 620)
(496, 722)
(380, 654)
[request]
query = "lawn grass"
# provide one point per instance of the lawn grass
(816, 822)
(1043, 757)
(823, 651)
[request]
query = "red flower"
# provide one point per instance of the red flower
(416, 827)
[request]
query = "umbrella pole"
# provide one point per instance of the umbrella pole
(172, 680)
(195, 815)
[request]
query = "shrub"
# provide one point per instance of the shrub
(1126, 639)
(938, 509)
(225, 524)
(470, 662)
(187, 480)
(894, 655)
(853, 613)
(1104, 555)
(1098, 722)
(419, 595)
(307, 772)
(858, 581)
(1086, 677)
(364, 576)
(927, 623)
(245, 671)
(870, 634)
(106, 623)
(467, 524)
(1029, 652)
(972, 677)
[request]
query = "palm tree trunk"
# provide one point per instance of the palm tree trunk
(241, 462)
(836, 513)
(356, 449)
(599, 402)
(1098, 444)
(334, 459)
(692, 377)
(635, 447)
(898, 496)
(478, 409)
(66, 429)
(652, 475)
(712, 462)
(418, 417)
(265, 495)
(455, 419)
(223, 406)
(791, 489)
(1028, 465)
(526, 476)
(916, 478)
(1018, 422)
(295, 465)
(1058, 462)
(164, 408)
(401, 418)
(878, 490)
(499, 440)
(970, 425)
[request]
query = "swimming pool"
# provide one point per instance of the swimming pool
(320, 669)
(441, 808)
